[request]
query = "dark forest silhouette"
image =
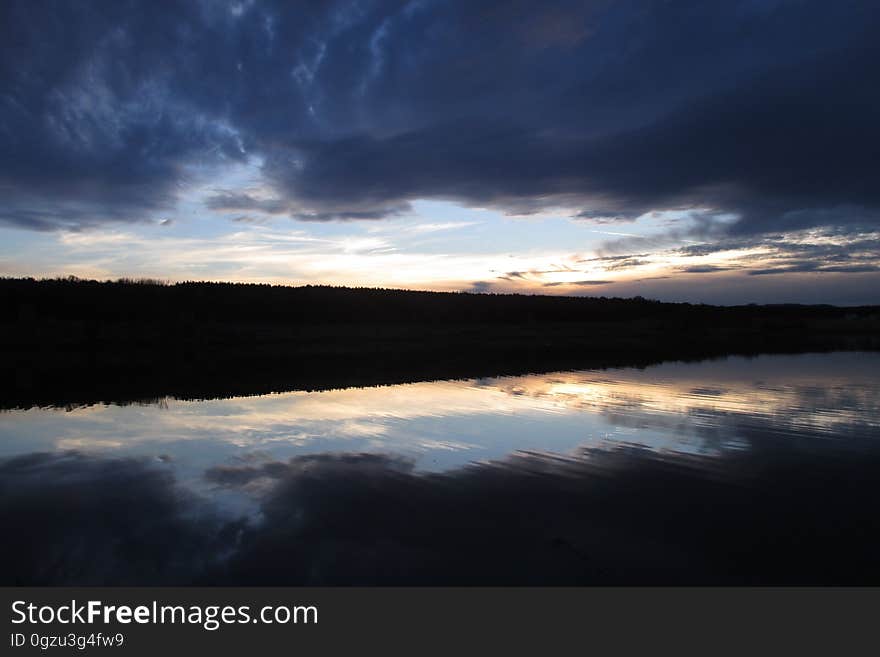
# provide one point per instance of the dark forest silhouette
(70, 341)
(149, 300)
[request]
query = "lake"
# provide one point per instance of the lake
(738, 470)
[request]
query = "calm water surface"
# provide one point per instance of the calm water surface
(426, 482)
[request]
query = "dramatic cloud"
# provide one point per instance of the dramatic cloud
(229, 201)
(764, 111)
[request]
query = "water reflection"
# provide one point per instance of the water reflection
(691, 407)
(735, 471)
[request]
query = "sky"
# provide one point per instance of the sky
(722, 152)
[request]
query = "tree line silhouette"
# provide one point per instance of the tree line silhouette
(71, 341)
(150, 300)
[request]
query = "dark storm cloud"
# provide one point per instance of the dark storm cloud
(342, 214)
(94, 120)
(596, 218)
(765, 110)
(230, 201)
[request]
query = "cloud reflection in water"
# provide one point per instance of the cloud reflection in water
(738, 471)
